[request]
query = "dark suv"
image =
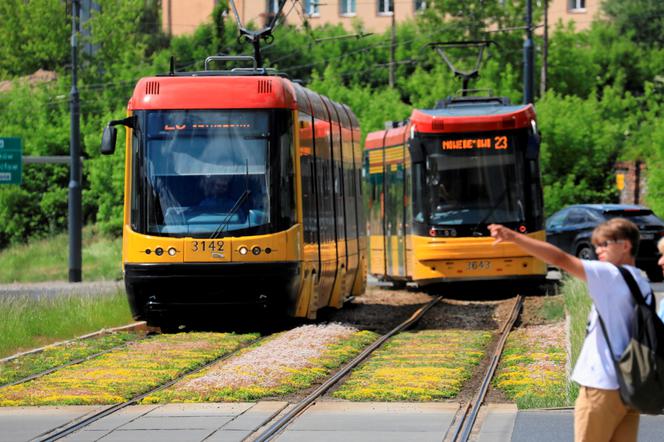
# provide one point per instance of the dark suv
(571, 228)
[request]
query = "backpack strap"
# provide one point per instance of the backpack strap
(638, 299)
(606, 337)
(634, 288)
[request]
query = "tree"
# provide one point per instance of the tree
(35, 35)
(641, 20)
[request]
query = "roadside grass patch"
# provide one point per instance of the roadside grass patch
(533, 367)
(52, 357)
(122, 374)
(282, 364)
(577, 305)
(46, 259)
(417, 366)
(28, 323)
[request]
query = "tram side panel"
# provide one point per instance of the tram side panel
(359, 207)
(350, 195)
(326, 221)
(308, 202)
(337, 196)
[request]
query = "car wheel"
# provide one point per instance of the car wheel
(585, 252)
(655, 274)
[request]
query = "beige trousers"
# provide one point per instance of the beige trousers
(601, 416)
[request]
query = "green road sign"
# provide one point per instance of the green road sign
(11, 160)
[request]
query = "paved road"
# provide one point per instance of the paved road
(58, 288)
(324, 421)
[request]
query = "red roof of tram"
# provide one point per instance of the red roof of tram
(212, 92)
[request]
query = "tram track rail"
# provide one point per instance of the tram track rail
(78, 424)
(467, 416)
(138, 326)
(280, 425)
(131, 327)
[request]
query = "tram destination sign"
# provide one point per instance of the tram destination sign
(11, 160)
(499, 142)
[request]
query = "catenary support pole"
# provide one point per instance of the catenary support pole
(528, 58)
(75, 220)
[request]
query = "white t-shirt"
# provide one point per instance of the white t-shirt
(612, 298)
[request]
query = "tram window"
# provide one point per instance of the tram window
(286, 187)
(135, 178)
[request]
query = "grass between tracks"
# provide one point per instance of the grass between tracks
(418, 366)
(28, 323)
(532, 370)
(124, 373)
(240, 379)
(56, 356)
(47, 259)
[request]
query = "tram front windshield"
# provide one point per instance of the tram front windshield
(473, 186)
(206, 171)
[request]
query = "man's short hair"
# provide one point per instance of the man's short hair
(617, 229)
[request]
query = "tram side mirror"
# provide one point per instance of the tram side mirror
(533, 148)
(432, 170)
(108, 140)
(534, 140)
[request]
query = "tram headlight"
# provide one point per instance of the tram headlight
(243, 250)
(159, 251)
(432, 231)
(172, 251)
(256, 250)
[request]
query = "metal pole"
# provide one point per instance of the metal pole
(528, 62)
(75, 220)
(393, 46)
(545, 49)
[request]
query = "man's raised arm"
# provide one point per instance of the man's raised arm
(540, 249)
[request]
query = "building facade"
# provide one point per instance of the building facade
(182, 16)
(581, 12)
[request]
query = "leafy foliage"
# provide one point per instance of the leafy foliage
(604, 101)
(641, 20)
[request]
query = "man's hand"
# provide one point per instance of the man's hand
(501, 233)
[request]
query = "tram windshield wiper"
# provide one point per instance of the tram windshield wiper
(493, 209)
(229, 215)
(240, 201)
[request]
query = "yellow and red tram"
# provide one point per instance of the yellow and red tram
(435, 181)
(241, 188)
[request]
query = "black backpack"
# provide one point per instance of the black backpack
(640, 368)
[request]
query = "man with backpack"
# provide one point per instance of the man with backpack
(599, 414)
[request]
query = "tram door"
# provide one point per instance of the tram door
(394, 210)
(375, 201)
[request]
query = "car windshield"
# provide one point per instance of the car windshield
(206, 171)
